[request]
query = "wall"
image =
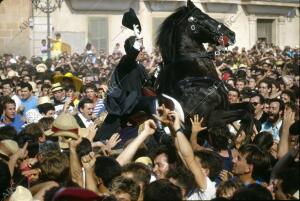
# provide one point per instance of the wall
(14, 30)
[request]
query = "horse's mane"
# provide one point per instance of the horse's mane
(167, 38)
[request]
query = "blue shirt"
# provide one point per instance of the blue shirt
(30, 103)
(17, 123)
(274, 130)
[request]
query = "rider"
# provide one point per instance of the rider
(124, 96)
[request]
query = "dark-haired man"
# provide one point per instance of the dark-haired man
(274, 121)
(28, 101)
(85, 113)
(10, 116)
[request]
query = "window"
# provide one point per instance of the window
(265, 30)
(98, 32)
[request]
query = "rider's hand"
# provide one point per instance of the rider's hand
(137, 32)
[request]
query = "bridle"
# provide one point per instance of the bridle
(196, 25)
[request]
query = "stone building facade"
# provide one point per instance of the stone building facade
(99, 21)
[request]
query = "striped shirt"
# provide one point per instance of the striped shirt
(99, 108)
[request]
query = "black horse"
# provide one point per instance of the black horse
(188, 73)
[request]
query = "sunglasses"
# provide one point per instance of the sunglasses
(255, 103)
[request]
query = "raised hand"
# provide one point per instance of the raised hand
(92, 130)
(88, 161)
(74, 143)
(163, 115)
(149, 127)
(21, 153)
(196, 124)
(113, 140)
(137, 32)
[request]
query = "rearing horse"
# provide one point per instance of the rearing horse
(188, 73)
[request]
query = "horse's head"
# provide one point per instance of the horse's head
(205, 29)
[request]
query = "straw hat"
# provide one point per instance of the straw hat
(12, 74)
(56, 87)
(41, 68)
(10, 145)
(65, 125)
(145, 160)
(76, 81)
(43, 100)
(21, 194)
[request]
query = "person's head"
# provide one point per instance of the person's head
(210, 162)
(289, 182)
(7, 88)
(26, 90)
(35, 130)
(226, 189)
(233, 95)
(129, 43)
(294, 132)
(264, 88)
(240, 84)
(46, 109)
(9, 108)
(164, 158)
(264, 140)
(7, 133)
(275, 87)
(138, 172)
(58, 35)
(257, 100)
(251, 83)
(70, 91)
(90, 91)
(288, 96)
(219, 138)
(55, 166)
(252, 163)
(276, 110)
(45, 90)
(253, 192)
(44, 42)
(27, 78)
(46, 123)
(86, 107)
(106, 169)
(162, 189)
(184, 179)
(125, 189)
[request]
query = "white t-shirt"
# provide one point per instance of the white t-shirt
(17, 101)
(208, 194)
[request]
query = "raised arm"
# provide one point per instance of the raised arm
(196, 128)
(288, 120)
(128, 153)
(183, 146)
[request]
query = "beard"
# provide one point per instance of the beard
(273, 117)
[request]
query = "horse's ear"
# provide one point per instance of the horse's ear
(190, 5)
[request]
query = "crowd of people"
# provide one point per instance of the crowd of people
(52, 110)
